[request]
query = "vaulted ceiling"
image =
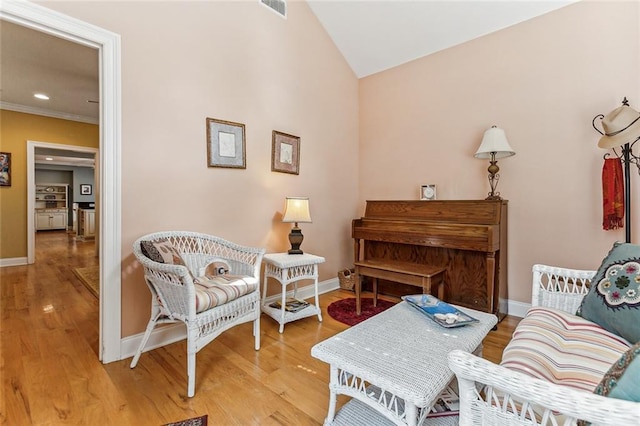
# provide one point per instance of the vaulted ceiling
(377, 35)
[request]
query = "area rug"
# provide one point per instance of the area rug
(345, 310)
(90, 277)
(196, 421)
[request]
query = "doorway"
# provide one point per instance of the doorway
(108, 44)
(32, 148)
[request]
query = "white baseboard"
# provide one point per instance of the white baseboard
(172, 333)
(518, 309)
(161, 336)
(15, 261)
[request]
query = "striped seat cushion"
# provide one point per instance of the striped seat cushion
(212, 291)
(562, 348)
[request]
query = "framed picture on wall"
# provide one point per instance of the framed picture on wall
(285, 153)
(225, 144)
(5, 169)
(85, 189)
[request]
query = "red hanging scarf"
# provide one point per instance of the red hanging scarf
(612, 194)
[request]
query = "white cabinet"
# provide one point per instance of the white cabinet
(86, 223)
(51, 219)
(51, 206)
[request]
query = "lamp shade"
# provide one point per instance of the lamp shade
(494, 141)
(296, 209)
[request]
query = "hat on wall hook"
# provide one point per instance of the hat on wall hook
(620, 126)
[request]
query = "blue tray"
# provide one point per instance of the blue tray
(440, 312)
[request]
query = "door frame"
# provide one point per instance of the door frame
(109, 231)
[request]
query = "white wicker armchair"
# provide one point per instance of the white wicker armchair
(492, 395)
(173, 294)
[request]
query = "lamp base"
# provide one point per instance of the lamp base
(494, 177)
(295, 239)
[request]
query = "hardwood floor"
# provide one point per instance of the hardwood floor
(51, 374)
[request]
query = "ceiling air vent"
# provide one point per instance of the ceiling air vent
(278, 6)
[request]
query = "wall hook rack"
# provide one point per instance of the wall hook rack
(627, 157)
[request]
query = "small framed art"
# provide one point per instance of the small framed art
(225, 144)
(285, 153)
(428, 192)
(5, 169)
(86, 189)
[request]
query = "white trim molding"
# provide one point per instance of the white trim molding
(517, 309)
(47, 113)
(48, 21)
(13, 261)
(168, 334)
(162, 336)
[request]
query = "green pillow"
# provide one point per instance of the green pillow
(613, 301)
(621, 381)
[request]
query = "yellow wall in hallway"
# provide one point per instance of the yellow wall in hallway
(16, 129)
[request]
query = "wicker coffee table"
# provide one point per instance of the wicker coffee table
(394, 364)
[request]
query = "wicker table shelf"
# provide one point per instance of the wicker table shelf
(356, 412)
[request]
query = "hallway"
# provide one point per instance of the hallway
(48, 319)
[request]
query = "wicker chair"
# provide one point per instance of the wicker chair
(173, 293)
(491, 394)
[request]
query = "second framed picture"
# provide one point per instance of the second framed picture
(285, 153)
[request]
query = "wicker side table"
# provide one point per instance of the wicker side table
(289, 269)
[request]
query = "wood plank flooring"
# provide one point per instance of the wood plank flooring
(51, 375)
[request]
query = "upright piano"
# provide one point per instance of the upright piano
(466, 237)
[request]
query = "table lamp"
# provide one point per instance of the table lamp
(494, 145)
(296, 210)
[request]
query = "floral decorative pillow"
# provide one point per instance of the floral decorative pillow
(161, 251)
(613, 301)
(621, 381)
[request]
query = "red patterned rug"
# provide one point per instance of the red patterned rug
(345, 310)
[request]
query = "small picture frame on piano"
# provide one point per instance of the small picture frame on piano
(428, 192)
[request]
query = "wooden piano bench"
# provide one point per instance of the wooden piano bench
(424, 276)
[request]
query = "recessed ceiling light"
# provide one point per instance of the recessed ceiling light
(48, 158)
(41, 96)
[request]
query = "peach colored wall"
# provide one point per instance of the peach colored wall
(543, 81)
(238, 61)
(15, 130)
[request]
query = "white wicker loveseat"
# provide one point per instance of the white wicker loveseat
(175, 297)
(493, 394)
